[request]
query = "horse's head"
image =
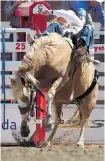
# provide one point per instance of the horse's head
(24, 93)
(20, 86)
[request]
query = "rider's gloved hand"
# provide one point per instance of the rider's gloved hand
(47, 12)
(81, 43)
(67, 34)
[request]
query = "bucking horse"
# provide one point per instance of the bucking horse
(51, 64)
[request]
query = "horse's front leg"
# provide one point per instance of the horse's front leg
(50, 96)
(24, 128)
(58, 116)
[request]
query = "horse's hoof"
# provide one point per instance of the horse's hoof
(80, 144)
(24, 131)
(62, 121)
(25, 134)
(45, 144)
(48, 127)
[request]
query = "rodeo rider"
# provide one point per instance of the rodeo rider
(83, 23)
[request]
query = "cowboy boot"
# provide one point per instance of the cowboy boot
(81, 47)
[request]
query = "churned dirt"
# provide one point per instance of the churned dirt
(56, 152)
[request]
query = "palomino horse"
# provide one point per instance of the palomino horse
(50, 64)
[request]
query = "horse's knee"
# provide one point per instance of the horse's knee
(49, 96)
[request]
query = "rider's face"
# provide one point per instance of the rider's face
(93, 2)
(61, 20)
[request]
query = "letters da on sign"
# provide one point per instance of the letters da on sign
(7, 125)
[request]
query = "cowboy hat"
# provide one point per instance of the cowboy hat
(100, 0)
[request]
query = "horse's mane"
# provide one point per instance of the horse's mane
(39, 51)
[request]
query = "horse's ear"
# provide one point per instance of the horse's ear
(30, 39)
(12, 80)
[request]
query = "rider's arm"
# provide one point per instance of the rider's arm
(100, 13)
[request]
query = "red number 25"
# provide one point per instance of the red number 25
(20, 46)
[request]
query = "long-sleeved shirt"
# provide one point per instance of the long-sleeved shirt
(9, 9)
(84, 4)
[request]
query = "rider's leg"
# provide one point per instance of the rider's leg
(54, 27)
(87, 39)
(91, 48)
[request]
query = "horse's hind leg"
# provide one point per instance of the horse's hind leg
(86, 106)
(81, 137)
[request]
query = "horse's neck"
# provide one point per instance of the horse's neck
(33, 61)
(39, 61)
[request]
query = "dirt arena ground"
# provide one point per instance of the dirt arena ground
(56, 152)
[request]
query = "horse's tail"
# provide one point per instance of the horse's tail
(76, 118)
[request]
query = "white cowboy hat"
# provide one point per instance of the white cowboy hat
(100, 0)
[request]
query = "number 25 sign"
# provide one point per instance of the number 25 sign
(20, 46)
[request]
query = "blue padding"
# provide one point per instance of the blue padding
(3, 68)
